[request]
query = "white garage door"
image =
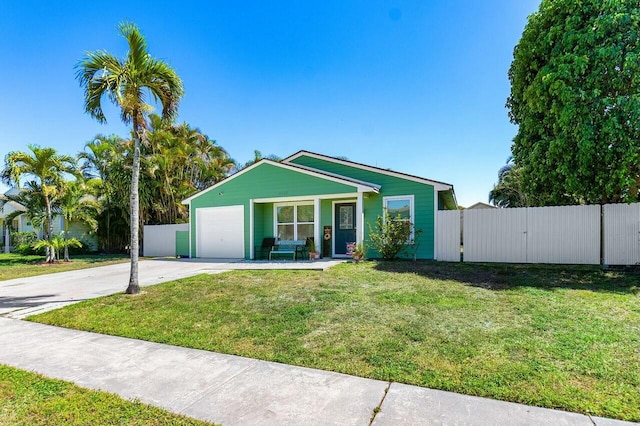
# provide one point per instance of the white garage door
(220, 232)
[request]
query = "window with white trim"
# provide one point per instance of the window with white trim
(400, 209)
(294, 221)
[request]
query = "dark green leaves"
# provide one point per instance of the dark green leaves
(575, 80)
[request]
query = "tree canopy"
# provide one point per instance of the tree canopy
(575, 96)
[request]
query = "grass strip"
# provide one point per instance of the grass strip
(557, 337)
(30, 399)
(13, 265)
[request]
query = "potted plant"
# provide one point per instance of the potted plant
(359, 252)
(313, 254)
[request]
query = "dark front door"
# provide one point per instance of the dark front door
(345, 226)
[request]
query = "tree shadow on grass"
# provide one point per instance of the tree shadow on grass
(502, 276)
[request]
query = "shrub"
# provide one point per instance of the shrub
(23, 243)
(19, 238)
(391, 236)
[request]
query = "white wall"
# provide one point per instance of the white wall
(160, 240)
(621, 234)
(448, 236)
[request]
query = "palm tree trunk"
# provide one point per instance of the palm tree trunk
(134, 286)
(66, 236)
(50, 254)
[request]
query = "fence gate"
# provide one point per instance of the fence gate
(568, 234)
(495, 235)
(621, 232)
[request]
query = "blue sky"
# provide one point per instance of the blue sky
(415, 86)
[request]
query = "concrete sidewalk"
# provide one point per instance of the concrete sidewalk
(234, 390)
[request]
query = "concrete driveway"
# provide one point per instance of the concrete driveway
(21, 297)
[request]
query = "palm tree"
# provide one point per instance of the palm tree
(104, 159)
(45, 168)
(77, 204)
(128, 83)
(508, 192)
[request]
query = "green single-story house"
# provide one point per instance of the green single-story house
(309, 195)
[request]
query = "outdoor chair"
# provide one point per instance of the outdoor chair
(263, 250)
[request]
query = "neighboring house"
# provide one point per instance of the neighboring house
(22, 223)
(309, 195)
(480, 205)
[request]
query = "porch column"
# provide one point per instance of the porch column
(359, 219)
(317, 237)
(7, 236)
(251, 231)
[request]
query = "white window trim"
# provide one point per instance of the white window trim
(412, 216)
(295, 222)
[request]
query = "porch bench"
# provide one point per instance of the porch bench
(293, 247)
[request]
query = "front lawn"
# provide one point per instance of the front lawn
(31, 399)
(559, 337)
(13, 265)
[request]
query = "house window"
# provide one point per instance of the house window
(294, 221)
(400, 208)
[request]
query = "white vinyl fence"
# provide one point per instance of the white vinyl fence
(160, 240)
(495, 235)
(448, 235)
(621, 234)
(567, 235)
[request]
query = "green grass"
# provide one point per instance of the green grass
(31, 399)
(14, 265)
(558, 337)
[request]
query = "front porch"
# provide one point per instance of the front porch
(330, 221)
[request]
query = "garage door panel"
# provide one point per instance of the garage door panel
(220, 232)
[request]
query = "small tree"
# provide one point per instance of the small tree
(391, 235)
(56, 244)
(78, 204)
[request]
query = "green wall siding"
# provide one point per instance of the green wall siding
(390, 186)
(264, 181)
(182, 243)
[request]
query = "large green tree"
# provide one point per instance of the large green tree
(575, 96)
(43, 170)
(129, 84)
